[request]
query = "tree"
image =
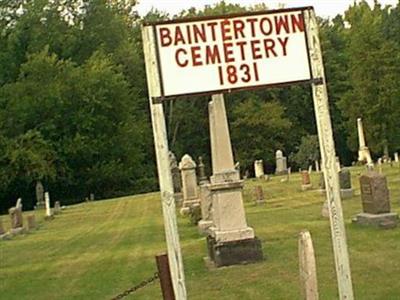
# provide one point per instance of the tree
(257, 130)
(374, 69)
(308, 151)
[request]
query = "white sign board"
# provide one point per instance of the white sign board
(212, 55)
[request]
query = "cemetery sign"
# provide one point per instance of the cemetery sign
(219, 54)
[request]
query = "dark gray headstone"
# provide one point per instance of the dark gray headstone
(374, 193)
(345, 179)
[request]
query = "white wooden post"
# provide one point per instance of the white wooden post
(328, 156)
(308, 269)
(164, 173)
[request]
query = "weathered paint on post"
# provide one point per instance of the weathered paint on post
(308, 269)
(164, 173)
(328, 156)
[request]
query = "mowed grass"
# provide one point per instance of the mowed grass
(97, 250)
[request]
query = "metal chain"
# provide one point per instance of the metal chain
(137, 287)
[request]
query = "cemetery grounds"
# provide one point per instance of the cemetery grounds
(97, 250)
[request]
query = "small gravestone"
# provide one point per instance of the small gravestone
(16, 220)
(202, 172)
(2, 231)
(281, 163)
(91, 197)
(176, 178)
(396, 157)
(325, 210)
(380, 165)
(317, 169)
(3, 234)
(189, 183)
(375, 202)
(39, 196)
(49, 214)
(259, 169)
(310, 169)
(308, 269)
(31, 222)
(16, 217)
(57, 207)
(346, 190)
(259, 195)
(305, 181)
(206, 209)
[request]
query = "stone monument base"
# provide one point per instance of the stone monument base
(235, 252)
(306, 187)
(16, 231)
(40, 205)
(260, 202)
(203, 226)
(5, 236)
(346, 193)
(283, 172)
(195, 214)
(178, 199)
(385, 220)
(48, 218)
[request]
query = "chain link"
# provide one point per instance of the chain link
(137, 287)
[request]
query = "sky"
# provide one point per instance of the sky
(323, 8)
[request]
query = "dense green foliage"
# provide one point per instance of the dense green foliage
(74, 109)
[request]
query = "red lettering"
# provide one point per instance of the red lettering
(178, 36)
(165, 36)
(199, 33)
(228, 52)
(297, 23)
(212, 27)
(212, 55)
(195, 56)
(189, 34)
(180, 63)
(242, 52)
(281, 21)
(269, 45)
(238, 27)
(263, 27)
(225, 30)
(252, 21)
(255, 49)
(283, 44)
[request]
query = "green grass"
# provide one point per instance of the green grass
(97, 250)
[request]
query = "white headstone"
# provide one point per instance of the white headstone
(281, 163)
(259, 168)
(47, 203)
(19, 204)
(317, 169)
(396, 157)
(189, 181)
(363, 151)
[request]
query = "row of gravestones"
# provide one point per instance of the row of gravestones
(281, 165)
(17, 221)
(374, 195)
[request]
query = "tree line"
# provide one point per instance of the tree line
(74, 109)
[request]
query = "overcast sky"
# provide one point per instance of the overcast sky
(323, 8)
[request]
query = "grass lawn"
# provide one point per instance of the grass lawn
(97, 250)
